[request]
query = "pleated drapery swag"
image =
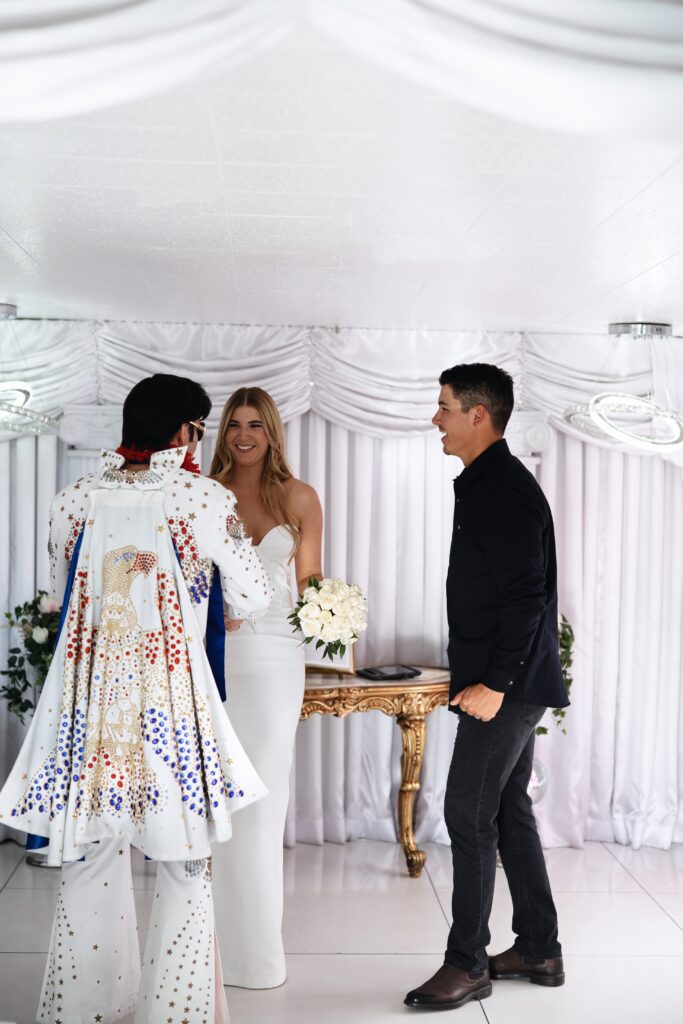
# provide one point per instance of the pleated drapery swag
(358, 406)
(575, 65)
(383, 382)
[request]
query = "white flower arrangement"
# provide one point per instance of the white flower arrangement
(331, 613)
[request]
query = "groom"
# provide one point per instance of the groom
(505, 671)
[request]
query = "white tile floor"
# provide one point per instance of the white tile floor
(359, 933)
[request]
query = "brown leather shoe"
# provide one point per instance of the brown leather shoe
(512, 965)
(449, 988)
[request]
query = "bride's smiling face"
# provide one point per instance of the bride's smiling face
(246, 436)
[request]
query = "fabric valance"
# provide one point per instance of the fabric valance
(383, 383)
(589, 66)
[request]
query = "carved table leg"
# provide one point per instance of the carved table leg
(412, 725)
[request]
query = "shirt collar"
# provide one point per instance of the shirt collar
(163, 466)
(480, 465)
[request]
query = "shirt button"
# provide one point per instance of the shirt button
(458, 526)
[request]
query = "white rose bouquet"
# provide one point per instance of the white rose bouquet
(331, 613)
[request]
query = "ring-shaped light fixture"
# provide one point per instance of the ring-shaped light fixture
(612, 403)
(16, 416)
(14, 393)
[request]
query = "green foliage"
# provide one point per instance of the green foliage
(28, 664)
(565, 639)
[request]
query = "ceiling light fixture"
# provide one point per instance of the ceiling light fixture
(15, 414)
(632, 420)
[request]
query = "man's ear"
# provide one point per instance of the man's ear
(181, 436)
(480, 414)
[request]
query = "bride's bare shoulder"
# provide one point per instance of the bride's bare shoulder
(302, 497)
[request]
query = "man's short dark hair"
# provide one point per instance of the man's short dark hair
(157, 407)
(482, 384)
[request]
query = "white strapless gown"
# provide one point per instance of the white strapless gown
(265, 687)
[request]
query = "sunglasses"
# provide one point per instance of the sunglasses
(199, 426)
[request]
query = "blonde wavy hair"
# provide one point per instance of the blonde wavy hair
(276, 469)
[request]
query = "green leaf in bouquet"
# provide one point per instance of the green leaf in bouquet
(342, 650)
(320, 643)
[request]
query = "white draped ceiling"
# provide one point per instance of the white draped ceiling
(358, 406)
(380, 382)
(574, 65)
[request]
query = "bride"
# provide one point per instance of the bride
(265, 682)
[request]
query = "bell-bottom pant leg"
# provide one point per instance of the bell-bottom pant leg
(181, 973)
(93, 965)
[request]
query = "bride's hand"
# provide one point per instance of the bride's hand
(232, 624)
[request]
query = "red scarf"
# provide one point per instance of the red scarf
(139, 455)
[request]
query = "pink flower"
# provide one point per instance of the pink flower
(48, 604)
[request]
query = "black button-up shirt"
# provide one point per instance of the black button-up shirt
(502, 583)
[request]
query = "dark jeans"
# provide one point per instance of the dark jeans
(487, 807)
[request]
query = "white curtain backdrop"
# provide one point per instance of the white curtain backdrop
(57, 358)
(386, 491)
(667, 380)
(57, 60)
(385, 380)
(276, 358)
(617, 774)
(573, 65)
(380, 381)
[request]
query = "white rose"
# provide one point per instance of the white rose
(40, 634)
(309, 609)
(326, 618)
(310, 594)
(307, 613)
(328, 633)
(309, 621)
(311, 628)
(328, 601)
(48, 604)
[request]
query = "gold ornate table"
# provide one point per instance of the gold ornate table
(409, 701)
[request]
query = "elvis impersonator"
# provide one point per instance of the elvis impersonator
(130, 743)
